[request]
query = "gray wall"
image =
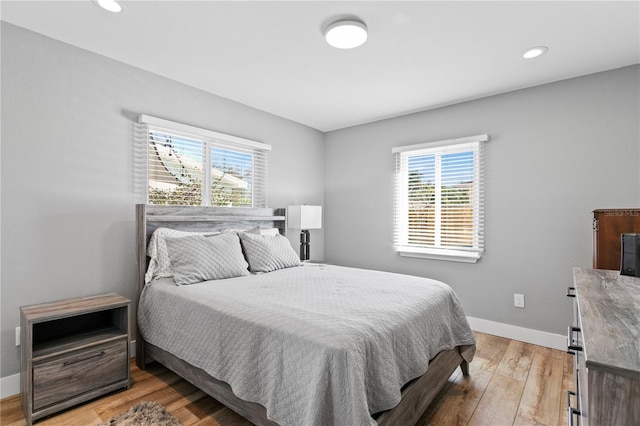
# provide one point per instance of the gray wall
(557, 152)
(67, 169)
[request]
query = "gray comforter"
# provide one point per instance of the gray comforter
(315, 345)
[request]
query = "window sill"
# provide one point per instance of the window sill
(440, 254)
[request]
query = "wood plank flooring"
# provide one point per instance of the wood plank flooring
(510, 383)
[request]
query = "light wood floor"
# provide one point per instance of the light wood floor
(510, 383)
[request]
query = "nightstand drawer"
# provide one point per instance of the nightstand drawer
(75, 373)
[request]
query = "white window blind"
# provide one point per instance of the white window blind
(187, 165)
(439, 199)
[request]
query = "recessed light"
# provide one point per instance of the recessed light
(110, 5)
(346, 34)
(534, 52)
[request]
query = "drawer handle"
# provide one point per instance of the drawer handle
(571, 292)
(99, 354)
(570, 346)
(571, 412)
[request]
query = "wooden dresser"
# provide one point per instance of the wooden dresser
(606, 341)
(608, 224)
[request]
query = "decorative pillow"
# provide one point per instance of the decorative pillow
(264, 231)
(198, 258)
(266, 253)
(159, 262)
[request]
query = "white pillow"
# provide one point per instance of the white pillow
(198, 258)
(266, 253)
(159, 262)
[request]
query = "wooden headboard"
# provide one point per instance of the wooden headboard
(196, 218)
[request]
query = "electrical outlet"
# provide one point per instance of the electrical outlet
(518, 300)
(17, 336)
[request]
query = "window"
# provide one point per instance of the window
(439, 194)
(189, 166)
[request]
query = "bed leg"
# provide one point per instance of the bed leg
(464, 366)
(141, 360)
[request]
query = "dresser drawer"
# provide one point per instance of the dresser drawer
(72, 374)
(582, 381)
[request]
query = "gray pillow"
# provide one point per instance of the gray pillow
(198, 258)
(266, 253)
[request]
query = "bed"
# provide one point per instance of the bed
(308, 344)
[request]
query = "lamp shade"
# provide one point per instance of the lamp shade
(304, 217)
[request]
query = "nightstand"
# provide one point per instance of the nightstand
(72, 350)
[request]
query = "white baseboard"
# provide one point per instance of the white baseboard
(10, 385)
(528, 335)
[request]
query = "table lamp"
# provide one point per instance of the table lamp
(304, 218)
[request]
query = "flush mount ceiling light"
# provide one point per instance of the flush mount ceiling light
(534, 52)
(110, 5)
(346, 34)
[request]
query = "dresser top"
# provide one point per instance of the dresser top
(609, 309)
(619, 212)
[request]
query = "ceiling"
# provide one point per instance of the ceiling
(420, 55)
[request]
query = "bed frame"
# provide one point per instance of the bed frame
(416, 396)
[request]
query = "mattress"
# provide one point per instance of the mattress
(316, 344)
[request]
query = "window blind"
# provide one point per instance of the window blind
(187, 165)
(439, 199)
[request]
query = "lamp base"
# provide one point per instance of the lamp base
(305, 246)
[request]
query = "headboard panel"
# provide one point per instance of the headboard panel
(201, 218)
(195, 218)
